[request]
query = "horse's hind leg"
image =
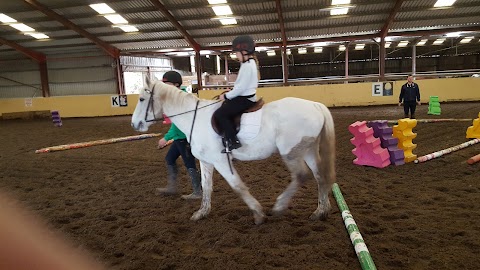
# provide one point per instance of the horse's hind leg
(299, 172)
(206, 170)
(240, 188)
(312, 158)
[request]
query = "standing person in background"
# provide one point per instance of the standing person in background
(179, 147)
(243, 95)
(409, 97)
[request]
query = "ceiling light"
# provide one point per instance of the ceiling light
(422, 42)
(359, 47)
(222, 10)
(5, 19)
(205, 52)
(302, 50)
(387, 44)
(320, 44)
(403, 43)
(340, 2)
(128, 28)
(22, 27)
(342, 48)
(102, 8)
(37, 35)
(116, 19)
(318, 50)
(444, 3)
(215, 2)
(466, 39)
(228, 21)
(288, 51)
(338, 11)
(260, 49)
(439, 41)
(454, 34)
(271, 53)
(233, 56)
(183, 53)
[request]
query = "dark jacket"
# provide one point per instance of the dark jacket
(409, 93)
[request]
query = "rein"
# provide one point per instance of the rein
(150, 103)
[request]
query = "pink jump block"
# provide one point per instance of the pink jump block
(368, 150)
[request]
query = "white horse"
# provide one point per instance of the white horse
(300, 130)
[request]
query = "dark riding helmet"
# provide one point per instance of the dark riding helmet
(243, 43)
(172, 77)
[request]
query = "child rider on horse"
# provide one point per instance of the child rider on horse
(178, 148)
(243, 95)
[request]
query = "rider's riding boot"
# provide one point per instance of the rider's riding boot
(196, 184)
(171, 188)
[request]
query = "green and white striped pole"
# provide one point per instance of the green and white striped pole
(357, 240)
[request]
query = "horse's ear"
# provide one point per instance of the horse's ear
(148, 82)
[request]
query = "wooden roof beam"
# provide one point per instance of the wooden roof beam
(391, 18)
(177, 25)
(109, 49)
(278, 6)
(38, 57)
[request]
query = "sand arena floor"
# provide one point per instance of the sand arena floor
(416, 216)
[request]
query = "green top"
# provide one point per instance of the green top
(175, 133)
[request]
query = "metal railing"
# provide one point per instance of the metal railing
(357, 78)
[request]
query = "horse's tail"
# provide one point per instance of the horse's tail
(327, 149)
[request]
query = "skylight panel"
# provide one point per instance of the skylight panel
(359, 47)
(22, 27)
(116, 19)
(340, 2)
(439, 41)
(37, 35)
(228, 21)
(102, 8)
(6, 19)
(466, 39)
(422, 42)
(222, 10)
(216, 2)
(128, 28)
(403, 43)
(338, 11)
(444, 3)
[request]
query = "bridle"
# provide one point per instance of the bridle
(151, 104)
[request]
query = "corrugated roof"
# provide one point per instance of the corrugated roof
(304, 20)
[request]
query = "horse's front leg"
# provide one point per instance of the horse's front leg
(206, 170)
(239, 187)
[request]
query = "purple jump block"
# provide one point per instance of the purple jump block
(384, 133)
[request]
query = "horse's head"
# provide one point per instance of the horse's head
(148, 108)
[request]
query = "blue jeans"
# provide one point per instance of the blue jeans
(180, 148)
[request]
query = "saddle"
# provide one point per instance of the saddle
(258, 105)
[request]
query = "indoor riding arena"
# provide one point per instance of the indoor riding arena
(72, 74)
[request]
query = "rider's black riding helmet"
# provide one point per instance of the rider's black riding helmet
(172, 77)
(243, 43)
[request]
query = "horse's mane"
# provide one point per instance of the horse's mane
(173, 95)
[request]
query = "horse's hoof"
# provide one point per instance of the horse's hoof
(197, 216)
(259, 218)
(319, 216)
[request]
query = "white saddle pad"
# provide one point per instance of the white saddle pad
(250, 125)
